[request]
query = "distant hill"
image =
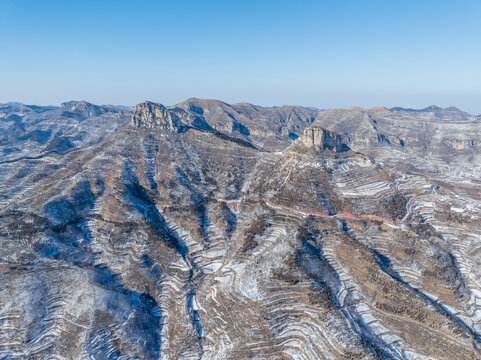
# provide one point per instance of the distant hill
(435, 112)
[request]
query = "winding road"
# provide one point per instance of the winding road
(343, 214)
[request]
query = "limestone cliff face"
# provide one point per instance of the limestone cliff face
(157, 116)
(320, 139)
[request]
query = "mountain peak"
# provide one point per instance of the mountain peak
(432, 108)
(435, 112)
(73, 105)
(80, 109)
(453, 108)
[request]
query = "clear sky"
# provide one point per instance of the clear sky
(328, 54)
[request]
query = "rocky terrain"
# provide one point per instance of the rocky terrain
(208, 230)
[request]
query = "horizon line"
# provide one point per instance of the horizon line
(313, 108)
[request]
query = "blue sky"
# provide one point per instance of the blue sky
(327, 54)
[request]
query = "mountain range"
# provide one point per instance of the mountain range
(207, 230)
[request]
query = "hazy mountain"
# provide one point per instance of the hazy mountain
(435, 112)
(232, 231)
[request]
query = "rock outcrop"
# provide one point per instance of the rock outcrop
(320, 139)
(156, 116)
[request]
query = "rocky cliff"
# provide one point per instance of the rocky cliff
(157, 116)
(320, 139)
